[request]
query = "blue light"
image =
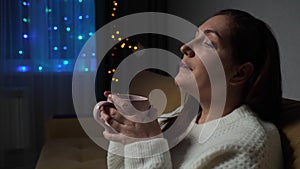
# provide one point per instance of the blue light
(25, 36)
(65, 48)
(66, 62)
(80, 17)
(86, 69)
(65, 18)
(40, 68)
(55, 48)
(68, 29)
(80, 1)
(22, 68)
(80, 37)
(25, 3)
(87, 16)
(93, 54)
(59, 66)
(91, 33)
(84, 55)
(21, 52)
(55, 27)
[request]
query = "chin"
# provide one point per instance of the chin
(187, 84)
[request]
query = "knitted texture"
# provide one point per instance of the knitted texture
(241, 140)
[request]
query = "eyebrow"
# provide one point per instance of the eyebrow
(212, 31)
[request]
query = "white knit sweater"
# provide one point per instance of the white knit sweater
(240, 141)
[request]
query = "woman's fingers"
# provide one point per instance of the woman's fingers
(106, 93)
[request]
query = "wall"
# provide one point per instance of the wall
(282, 16)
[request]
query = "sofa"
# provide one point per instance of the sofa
(68, 147)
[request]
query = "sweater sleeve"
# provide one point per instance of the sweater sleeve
(150, 154)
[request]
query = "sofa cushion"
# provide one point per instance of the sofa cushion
(71, 153)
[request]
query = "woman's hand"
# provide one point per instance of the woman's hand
(128, 131)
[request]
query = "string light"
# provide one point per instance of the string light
(123, 45)
(65, 62)
(25, 36)
(129, 46)
(135, 48)
(48, 10)
(112, 14)
(40, 68)
(119, 39)
(112, 54)
(117, 32)
(109, 72)
(112, 36)
(20, 52)
(68, 29)
(80, 37)
(55, 27)
(113, 70)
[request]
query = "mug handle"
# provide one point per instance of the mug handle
(97, 117)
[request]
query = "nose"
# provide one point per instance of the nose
(186, 50)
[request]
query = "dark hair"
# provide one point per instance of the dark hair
(253, 41)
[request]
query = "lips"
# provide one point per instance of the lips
(185, 66)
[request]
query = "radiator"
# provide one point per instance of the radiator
(15, 118)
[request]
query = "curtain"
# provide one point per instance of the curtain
(40, 41)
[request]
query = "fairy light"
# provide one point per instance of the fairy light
(113, 70)
(129, 46)
(117, 32)
(135, 48)
(112, 36)
(112, 54)
(119, 39)
(109, 72)
(112, 14)
(123, 45)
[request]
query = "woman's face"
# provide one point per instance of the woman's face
(211, 39)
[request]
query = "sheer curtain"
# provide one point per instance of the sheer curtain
(40, 41)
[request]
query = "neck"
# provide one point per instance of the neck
(230, 104)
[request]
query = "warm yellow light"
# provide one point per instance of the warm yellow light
(129, 46)
(135, 48)
(112, 54)
(127, 39)
(119, 39)
(117, 32)
(113, 79)
(114, 9)
(112, 36)
(117, 80)
(109, 72)
(113, 70)
(123, 45)
(112, 14)
(116, 4)
(115, 48)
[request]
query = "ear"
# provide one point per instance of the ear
(242, 74)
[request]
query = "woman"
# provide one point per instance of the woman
(245, 136)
